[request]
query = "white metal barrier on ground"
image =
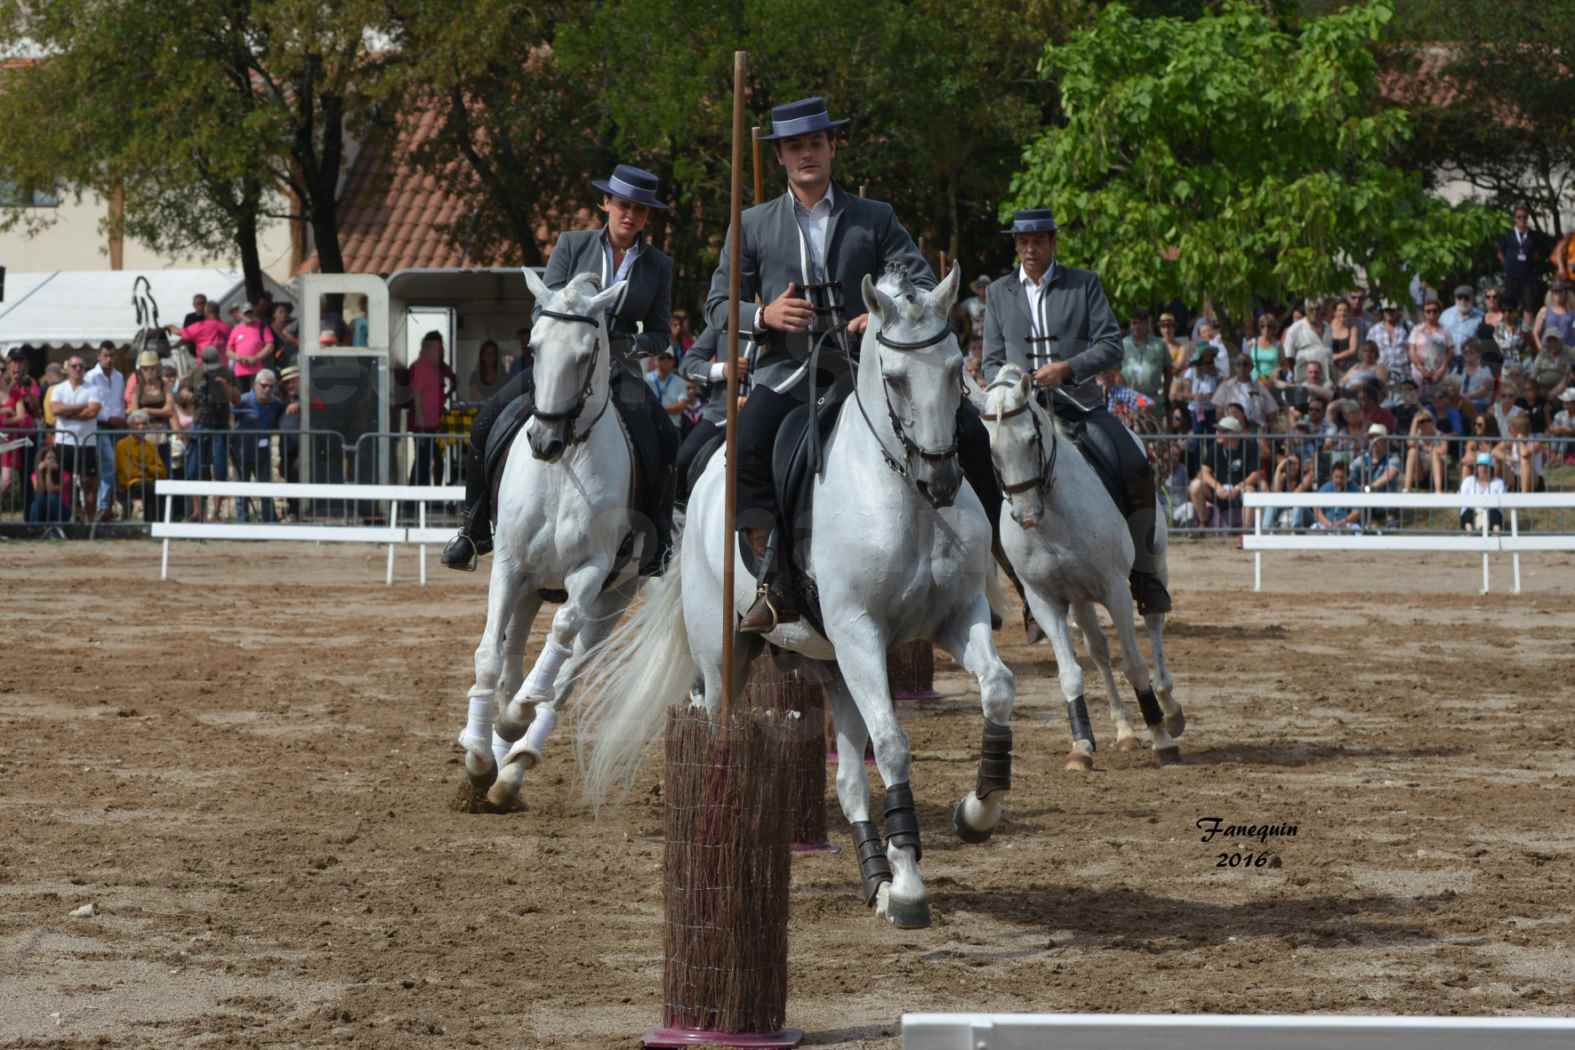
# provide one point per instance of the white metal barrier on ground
(1508, 541)
(1230, 1032)
(392, 534)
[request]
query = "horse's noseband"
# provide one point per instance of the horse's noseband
(1046, 465)
(578, 404)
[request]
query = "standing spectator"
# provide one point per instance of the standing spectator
(109, 390)
(1335, 518)
(1308, 340)
(290, 441)
(1209, 335)
(251, 345)
(671, 389)
(204, 332)
(1508, 404)
(487, 377)
(1356, 306)
(199, 310)
(1520, 252)
(1392, 337)
(1257, 403)
(1145, 363)
(256, 417)
(1230, 469)
(1463, 319)
(1175, 346)
(1503, 331)
(679, 337)
(1556, 318)
(1476, 380)
(21, 411)
(286, 336)
(432, 383)
(1426, 454)
(1264, 349)
(1550, 369)
(973, 310)
(216, 393)
(1344, 338)
(1432, 349)
(138, 466)
(1481, 482)
(76, 410)
(1196, 387)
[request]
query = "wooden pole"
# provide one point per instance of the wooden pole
(730, 511)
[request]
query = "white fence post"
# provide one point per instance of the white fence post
(1514, 532)
(169, 518)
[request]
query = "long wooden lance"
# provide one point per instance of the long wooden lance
(730, 512)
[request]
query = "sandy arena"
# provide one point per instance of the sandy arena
(248, 770)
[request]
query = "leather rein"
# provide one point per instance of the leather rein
(572, 413)
(1046, 463)
(909, 446)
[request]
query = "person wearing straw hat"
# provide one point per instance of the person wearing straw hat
(637, 327)
(811, 247)
(1055, 323)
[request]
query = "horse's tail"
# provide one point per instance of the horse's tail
(633, 676)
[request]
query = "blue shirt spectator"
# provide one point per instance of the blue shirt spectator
(1463, 319)
(1377, 469)
(1336, 517)
(254, 413)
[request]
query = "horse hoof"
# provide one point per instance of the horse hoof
(1129, 743)
(905, 915)
(470, 798)
(503, 799)
(1176, 724)
(1077, 762)
(1168, 756)
(972, 836)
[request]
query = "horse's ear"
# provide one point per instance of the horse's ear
(605, 300)
(945, 293)
(877, 302)
(538, 288)
(1026, 384)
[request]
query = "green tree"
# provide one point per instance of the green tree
(1489, 83)
(1239, 156)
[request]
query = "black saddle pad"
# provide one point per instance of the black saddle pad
(702, 459)
(793, 478)
(509, 421)
(1090, 442)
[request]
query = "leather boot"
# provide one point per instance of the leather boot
(1148, 590)
(654, 562)
(773, 605)
(475, 535)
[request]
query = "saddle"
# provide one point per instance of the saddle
(1093, 443)
(804, 430)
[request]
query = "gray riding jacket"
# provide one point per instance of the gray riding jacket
(647, 299)
(1077, 316)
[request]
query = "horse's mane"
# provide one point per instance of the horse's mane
(1008, 377)
(911, 302)
(580, 290)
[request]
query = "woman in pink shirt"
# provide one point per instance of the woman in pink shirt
(431, 383)
(250, 347)
(210, 331)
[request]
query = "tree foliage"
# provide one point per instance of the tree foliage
(1489, 83)
(1240, 154)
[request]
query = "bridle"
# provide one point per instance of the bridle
(909, 446)
(577, 406)
(1046, 463)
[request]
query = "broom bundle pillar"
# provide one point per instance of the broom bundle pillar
(804, 701)
(911, 668)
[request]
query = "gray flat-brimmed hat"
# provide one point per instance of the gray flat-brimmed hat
(632, 184)
(1032, 220)
(804, 117)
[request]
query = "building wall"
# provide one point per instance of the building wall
(76, 242)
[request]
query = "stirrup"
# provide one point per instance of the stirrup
(762, 598)
(460, 554)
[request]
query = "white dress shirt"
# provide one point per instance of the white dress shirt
(813, 222)
(1038, 353)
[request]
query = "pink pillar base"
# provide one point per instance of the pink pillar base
(816, 847)
(677, 1038)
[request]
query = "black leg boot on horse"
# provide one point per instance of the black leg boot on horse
(475, 535)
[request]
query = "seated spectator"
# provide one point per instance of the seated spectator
(1564, 425)
(1550, 369)
(50, 486)
(1257, 403)
(1485, 437)
(1481, 482)
(1196, 386)
(1378, 468)
(1476, 379)
(1336, 518)
(1312, 384)
(1347, 434)
(138, 466)
(1406, 404)
(1208, 334)
(1230, 468)
(1370, 403)
(1508, 404)
(1366, 369)
(1425, 453)
(1450, 407)
(1432, 349)
(1521, 457)
(1290, 476)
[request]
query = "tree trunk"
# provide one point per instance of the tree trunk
(951, 216)
(246, 236)
(525, 240)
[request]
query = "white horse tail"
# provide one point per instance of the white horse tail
(640, 670)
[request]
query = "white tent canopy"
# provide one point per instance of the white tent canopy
(78, 308)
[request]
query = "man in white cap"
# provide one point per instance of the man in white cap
(1229, 470)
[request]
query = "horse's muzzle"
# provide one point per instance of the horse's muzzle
(546, 440)
(939, 481)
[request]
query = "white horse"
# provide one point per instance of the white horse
(1071, 548)
(563, 511)
(899, 549)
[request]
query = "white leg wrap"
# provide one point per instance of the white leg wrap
(535, 739)
(539, 683)
(500, 749)
(477, 735)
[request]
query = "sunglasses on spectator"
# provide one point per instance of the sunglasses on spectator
(1430, 309)
(264, 386)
